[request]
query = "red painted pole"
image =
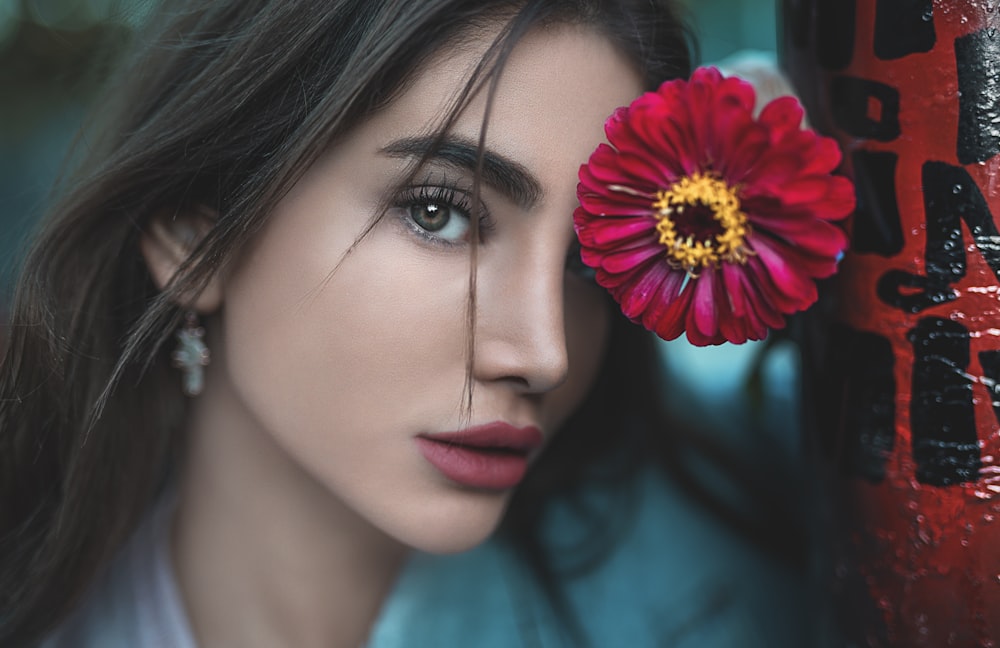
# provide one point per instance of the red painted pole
(908, 391)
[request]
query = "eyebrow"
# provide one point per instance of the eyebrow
(501, 173)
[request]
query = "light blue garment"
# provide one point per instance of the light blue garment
(675, 579)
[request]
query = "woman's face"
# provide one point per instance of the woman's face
(356, 376)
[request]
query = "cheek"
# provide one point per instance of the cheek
(309, 351)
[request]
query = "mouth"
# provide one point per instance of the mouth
(488, 457)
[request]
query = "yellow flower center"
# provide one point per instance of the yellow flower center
(700, 223)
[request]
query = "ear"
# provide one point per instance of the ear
(167, 241)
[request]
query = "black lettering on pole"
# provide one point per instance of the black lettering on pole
(877, 229)
(977, 59)
(903, 27)
(990, 362)
(858, 419)
(852, 101)
(942, 419)
(835, 25)
(950, 197)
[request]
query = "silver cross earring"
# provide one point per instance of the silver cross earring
(191, 355)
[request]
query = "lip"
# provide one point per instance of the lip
(489, 457)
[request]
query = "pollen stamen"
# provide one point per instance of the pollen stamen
(714, 195)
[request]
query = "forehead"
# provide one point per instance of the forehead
(557, 88)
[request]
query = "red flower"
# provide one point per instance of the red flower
(699, 218)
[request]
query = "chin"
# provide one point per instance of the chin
(451, 545)
(456, 526)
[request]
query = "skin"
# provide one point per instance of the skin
(304, 489)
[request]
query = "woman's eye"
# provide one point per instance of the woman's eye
(440, 220)
(431, 217)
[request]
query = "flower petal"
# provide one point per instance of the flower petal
(781, 116)
(600, 233)
(700, 135)
(703, 313)
(624, 260)
(788, 278)
(665, 316)
(636, 296)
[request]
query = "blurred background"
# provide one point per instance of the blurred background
(54, 55)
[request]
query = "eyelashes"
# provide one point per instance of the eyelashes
(441, 215)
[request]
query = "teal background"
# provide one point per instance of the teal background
(723, 27)
(53, 55)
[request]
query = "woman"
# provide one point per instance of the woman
(367, 207)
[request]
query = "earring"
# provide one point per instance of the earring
(191, 355)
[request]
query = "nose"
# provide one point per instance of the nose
(520, 327)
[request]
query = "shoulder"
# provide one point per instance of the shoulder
(105, 619)
(135, 603)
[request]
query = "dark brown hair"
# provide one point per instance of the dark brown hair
(225, 105)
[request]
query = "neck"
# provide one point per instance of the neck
(266, 556)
